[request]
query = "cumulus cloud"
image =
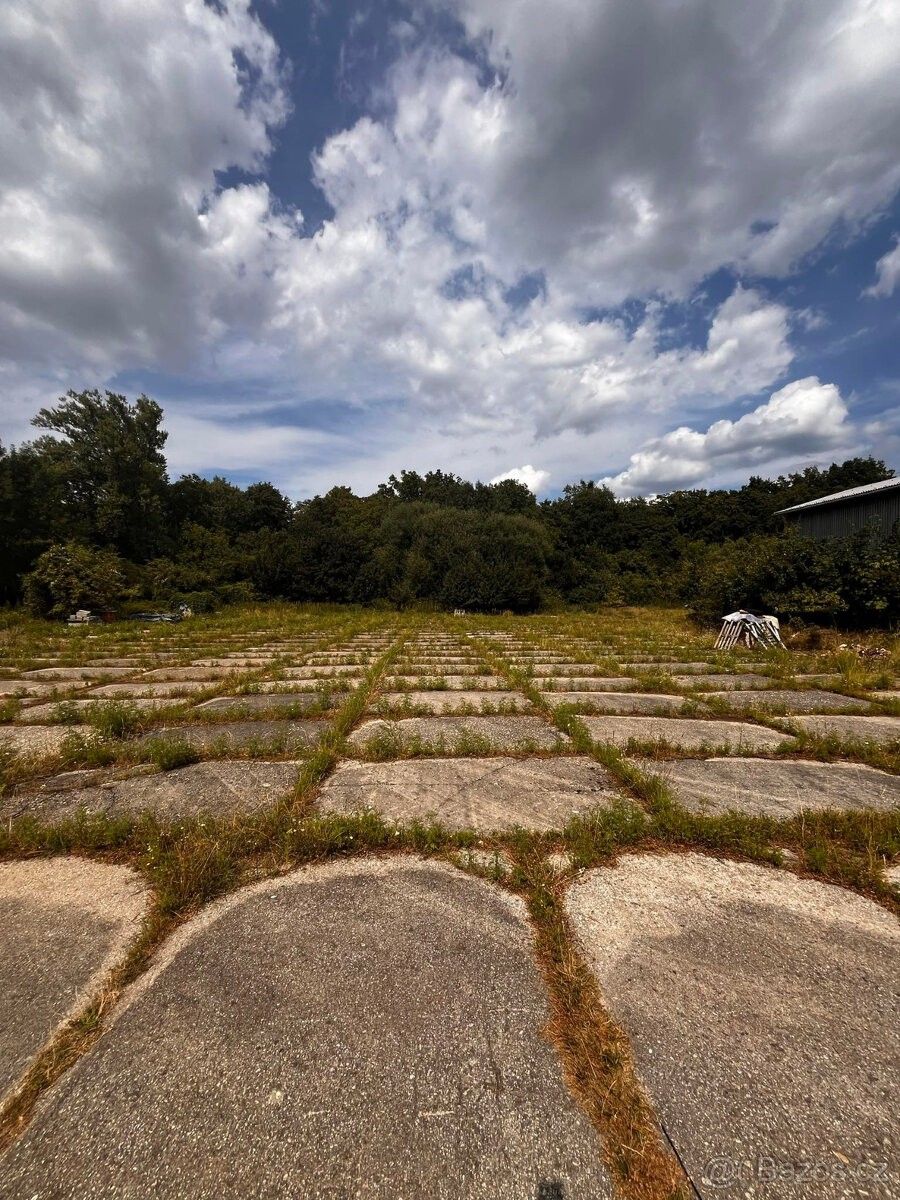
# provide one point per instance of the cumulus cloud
(533, 477)
(887, 271)
(619, 150)
(640, 145)
(119, 247)
(803, 418)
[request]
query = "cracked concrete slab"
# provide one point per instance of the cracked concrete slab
(472, 793)
(686, 733)
(128, 691)
(728, 683)
(584, 683)
(76, 673)
(450, 732)
(312, 671)
(369, 1028)
(809, 700)
(218, 788)
(849, 727)
(487, 683)
(564, 669)
(775, 787)
(30, 687)
(670, 668)
(283, 735)
(428, 667)
(617, 702)
(191, 674)
(36, 741)
(82, 705)
(453, 700)
(65, 922)
(241, 664)
(261, 702)
(764, 1019)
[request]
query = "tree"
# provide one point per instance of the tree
(109, 465)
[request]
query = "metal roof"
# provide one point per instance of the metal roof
(836, 497)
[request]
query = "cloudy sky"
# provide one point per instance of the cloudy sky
(654, 242)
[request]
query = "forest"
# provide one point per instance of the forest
(89, 518)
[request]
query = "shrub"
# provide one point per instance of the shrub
(72, 576)
(855, 578)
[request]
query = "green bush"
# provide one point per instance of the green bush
(71, 576)
(856, 579)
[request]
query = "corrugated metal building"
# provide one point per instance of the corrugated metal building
(843, 513)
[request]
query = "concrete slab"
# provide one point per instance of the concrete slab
(448, 733)
(316, 672)
(671, 668)
(453, 700)
(134, 662)
(584, 683)
(36, 741)
(463, 682)
(617, 702)
(76, 673)
(775, 787)
(809, 700)
(359, 1029)
(849, 727)
(430, 667)
(48, 712)
(687, 734)
(472, 793)
(763, 1015)
(728, 683)
(31, 687)
(190, 673)
(235, 664)
(261, 702)
(127, 691)
(65, 922)
(564, 669)
(283, 735)
(218, 788)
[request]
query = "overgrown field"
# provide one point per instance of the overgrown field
(111, 766)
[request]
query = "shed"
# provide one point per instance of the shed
(843, 513)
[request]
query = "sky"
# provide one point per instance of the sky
(654, 243)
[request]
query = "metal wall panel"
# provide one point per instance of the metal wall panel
(846, 517)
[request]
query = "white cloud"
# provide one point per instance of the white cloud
(533, 477)
(803, 418)
(624, 150)
(214, 444)
(640, 143)
(119, 249)
(887, 274)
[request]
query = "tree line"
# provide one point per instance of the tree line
(89, 517)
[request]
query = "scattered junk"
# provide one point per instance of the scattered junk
(865, 651)
(83, 616)
(86, 616)
(179, 613)
(750, 629)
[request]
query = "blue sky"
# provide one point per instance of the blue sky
(644, 242)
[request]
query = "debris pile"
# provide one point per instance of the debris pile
(865, 651)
